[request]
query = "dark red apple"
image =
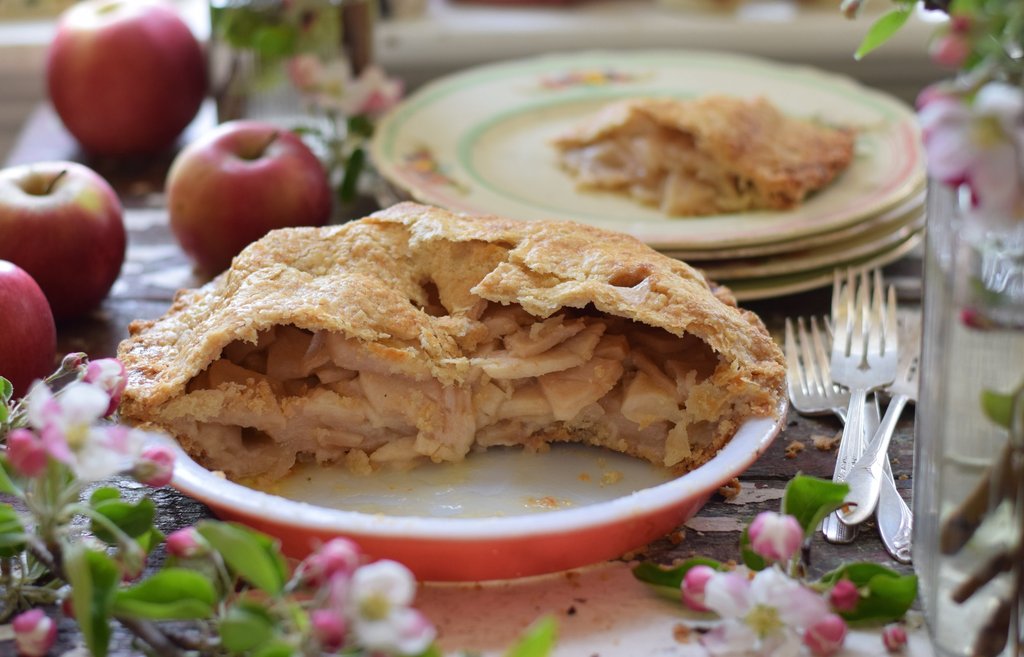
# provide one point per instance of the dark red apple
(63, 224)
(28, 339)
(125, 76)
(229, 187)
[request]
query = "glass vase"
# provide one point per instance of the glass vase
(274, 59)
(969, 446)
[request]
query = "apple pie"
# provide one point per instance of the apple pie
(716, 154)
(417, 334)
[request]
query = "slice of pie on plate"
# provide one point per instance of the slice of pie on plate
(716, 154)
(417, 334)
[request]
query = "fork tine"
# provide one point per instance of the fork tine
(811, 370)
(841, 314)
(892, 328)
(862, 321)
(878, 324)
(821, 355)
(795, 371)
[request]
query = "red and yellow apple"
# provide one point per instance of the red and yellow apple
(63, 224)
(125, 76)
(234, 184)
(28, 339)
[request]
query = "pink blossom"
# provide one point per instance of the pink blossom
(186, 543)
(155, 467)
(109, 375)
(329, 628)
(26, 452)
(825, 637)
(34, 633)
(894, 637)
(338, 556)
(775, 536)
(766, 615)
(950, 50)
(693, 585)
(379, 600)
(305, 72)
(844, 596)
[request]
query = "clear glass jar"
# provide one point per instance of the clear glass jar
(273, 59)
(969, 447)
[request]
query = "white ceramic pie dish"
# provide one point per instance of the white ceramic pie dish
(491, 547)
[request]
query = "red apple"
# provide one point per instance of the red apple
(63, 224)
(232, 185)
(125, 76)
(28, 340)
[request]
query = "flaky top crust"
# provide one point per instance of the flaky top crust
(366, 279)
(785, 157)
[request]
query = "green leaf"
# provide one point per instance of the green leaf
(12, 532)
(810, 499)
(670, 577)
(360, 125)
(252, 556)
(279, 650)
(883, 29)
(94, 578)
(150, 539)
(170, 594)
(353, 168)
(245, 627)
(886, 595)
(133, 519)
(537, 641)
(7, 484)
(103, 494)
(6, 390)
(998, 407)
(751, 559)
(434, 651)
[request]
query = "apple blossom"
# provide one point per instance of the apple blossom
(950, 50)
(766, 614)
(825, 637)
(844, 596)
(186, 543)
(380, 595)
(329, 628)
(155, 466)
(34, 633)
(775, 536)
(894, 637)
(26, 452)
(336, 556)
(693, 586)
(109, 375)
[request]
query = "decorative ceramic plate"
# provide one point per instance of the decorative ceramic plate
(829, 255)
(478, 141)
(751, 289)
(463, 522)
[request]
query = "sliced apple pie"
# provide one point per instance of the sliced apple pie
(711, 155)
(418, 334)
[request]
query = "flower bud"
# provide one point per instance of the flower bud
(109, 375)
(894, 637)
(329, 628)
(338, 556)
(34, 633)
(844, 596)
(775, 536)
(155, 467)
(187, 543)
(26, 453)
(950, 50)
(825, 637)
(693, 586)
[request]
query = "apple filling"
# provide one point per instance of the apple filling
(575, 376)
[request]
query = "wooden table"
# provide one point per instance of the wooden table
(155, 267)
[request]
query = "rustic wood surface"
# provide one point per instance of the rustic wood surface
(155, 268)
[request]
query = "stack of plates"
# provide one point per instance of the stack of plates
(479, 141)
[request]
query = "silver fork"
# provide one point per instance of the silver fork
(865, 478)
(812, 392)
(864, 353)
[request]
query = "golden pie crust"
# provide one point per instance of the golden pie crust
(418, 334)
(715, 154)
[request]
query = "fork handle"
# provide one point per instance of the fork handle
(832, 528)
(866, 476)
(895, 519)
(851, 445)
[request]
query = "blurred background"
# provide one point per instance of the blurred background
(417, 40)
